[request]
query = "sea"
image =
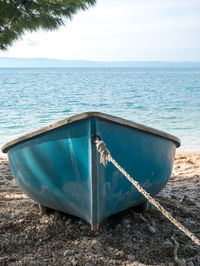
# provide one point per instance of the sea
(167, 99)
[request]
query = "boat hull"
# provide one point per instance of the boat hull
(60, 168)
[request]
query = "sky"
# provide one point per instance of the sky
(121, 30)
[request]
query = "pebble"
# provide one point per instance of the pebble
(2, 260)
(118, 227)
(190, 263)
(11, 249)
(57, 214)
(151, 229)
(68, 252)
(89, 264)
(131, 257)
(125, 221)
(68, 222)
(167, 244)
(84, 227)
(74, 262)
(96, 245)
(9, 177)
(57, 245)
(142, 217)
(110, 250)
(128, 226)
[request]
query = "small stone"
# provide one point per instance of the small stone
(151, 229)
(167, 244)
(190, 263)
(125, 221)
(142, 217)
(118, 227)
(2, 260)
(57, 245)
(9, 177)
(74, 262)
(89, 264)
(67, 222)
(83, 227)
(11, 249)
(110, 250)
(96, 244)
(131, 257)
(68, 252)
(57, 214)
(128, 226)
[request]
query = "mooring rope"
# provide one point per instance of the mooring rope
(105, 157)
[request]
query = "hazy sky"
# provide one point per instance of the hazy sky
(115, 30)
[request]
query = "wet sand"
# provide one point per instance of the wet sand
(28, 237)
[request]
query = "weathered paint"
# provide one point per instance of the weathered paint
(146, 157)
(60, 168)
(54, 169)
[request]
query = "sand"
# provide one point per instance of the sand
(28, 237)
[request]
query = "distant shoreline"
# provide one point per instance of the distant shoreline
(9, 62)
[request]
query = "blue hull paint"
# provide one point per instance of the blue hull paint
(60, 168)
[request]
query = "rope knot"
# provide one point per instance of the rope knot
(104, 153)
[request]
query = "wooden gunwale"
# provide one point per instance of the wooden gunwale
(86, 116)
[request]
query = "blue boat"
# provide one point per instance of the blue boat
(58, 166)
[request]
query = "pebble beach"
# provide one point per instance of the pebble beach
(29, 237)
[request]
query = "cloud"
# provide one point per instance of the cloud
(31, 42)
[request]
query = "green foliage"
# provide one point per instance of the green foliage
(18, 16)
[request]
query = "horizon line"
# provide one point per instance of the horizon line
(104, 61)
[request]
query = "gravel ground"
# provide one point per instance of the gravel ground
(28, 237)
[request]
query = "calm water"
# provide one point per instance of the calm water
(167, 99)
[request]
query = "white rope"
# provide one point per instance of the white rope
(104, 153)
(106, 157)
